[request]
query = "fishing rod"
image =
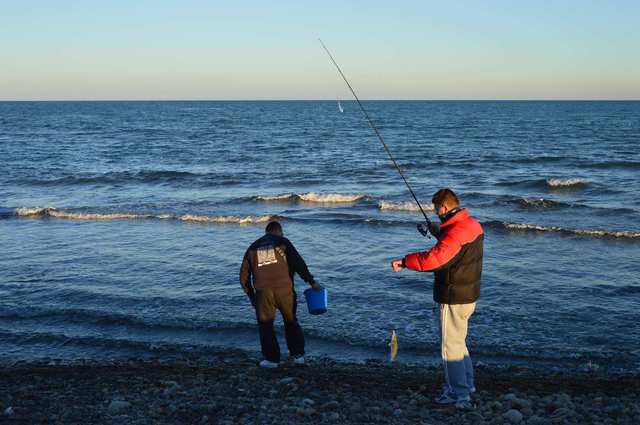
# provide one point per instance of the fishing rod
(375, 129)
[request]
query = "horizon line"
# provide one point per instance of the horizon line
(328, 100)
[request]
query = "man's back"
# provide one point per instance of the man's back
(458, 282)
(271, 261)
(266, 260)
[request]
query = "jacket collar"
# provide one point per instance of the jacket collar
(457, 216)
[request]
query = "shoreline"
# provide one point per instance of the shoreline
(229, 388)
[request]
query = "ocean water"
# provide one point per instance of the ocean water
(123, 225)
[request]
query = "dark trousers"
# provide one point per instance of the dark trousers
(284, 300)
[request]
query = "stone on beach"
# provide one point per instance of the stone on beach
(330, 405)
(332, 416)
(308, 402)
(171, 389)
(537, 420)
(305, 411)
(513, 416)
(332, 393)
(118, 406)
(287, 381)
(473, 417)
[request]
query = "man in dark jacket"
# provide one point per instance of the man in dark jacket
(456, 260)
(266, 276)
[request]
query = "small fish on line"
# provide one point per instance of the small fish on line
(393, 346)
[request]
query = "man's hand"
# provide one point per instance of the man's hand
(434, 229)
(423, 228)
(316, 286)
(396, 265)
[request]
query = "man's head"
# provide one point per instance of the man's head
(273, 228)
(444, 201)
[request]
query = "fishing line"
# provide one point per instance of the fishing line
(375, 129)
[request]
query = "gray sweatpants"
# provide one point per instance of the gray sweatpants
(458, 369)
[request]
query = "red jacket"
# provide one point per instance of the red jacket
(456, 260)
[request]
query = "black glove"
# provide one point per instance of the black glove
(423, 228)
(434, 229)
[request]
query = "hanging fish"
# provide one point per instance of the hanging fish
(393, 346)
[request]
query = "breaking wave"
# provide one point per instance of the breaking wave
(72, 215)
(269, 198)
(224, 219)
(523, 227)
(538, 159)
(323, 198)
(575, 182)
(541, 203)
(533, 203)
(403, 206)
(551, 183)
(323, 217)
(630, 165)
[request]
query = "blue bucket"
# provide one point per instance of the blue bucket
(316, 300)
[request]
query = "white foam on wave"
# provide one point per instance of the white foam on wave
(282, 197)
(70, 215)
(579, 232)
(28, 212)
(97, 217)
(567, 182)
(317, 197)
(225, 219)
(403, 206)
(329, 197)
(539, 203)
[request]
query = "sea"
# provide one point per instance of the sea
(123, 226)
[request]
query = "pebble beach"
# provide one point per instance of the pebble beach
(229, 388)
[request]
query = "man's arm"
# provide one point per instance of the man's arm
(438, 256)
(245, 277)
(297, 263)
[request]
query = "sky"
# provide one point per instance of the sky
(245, 50)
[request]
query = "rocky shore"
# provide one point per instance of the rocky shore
(230, 389)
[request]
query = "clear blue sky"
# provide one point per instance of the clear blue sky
(269, 50)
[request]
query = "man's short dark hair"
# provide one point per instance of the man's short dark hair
(447, 197)
(273, 227)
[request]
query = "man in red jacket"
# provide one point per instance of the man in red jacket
(456, 260)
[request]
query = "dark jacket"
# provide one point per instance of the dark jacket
(270, 263)
(456, 260)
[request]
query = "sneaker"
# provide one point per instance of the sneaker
(298, 360)
(465, 404)
(445, 398)
(268, 365)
